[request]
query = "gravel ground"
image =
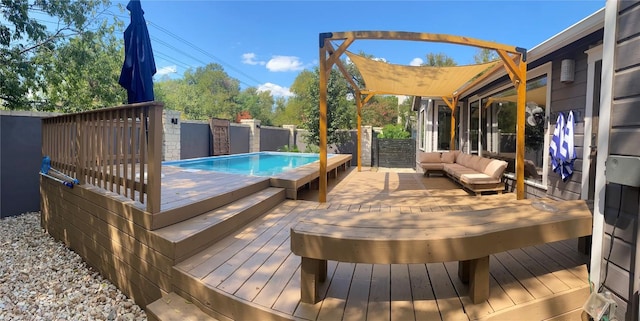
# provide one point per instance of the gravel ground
(40, 279)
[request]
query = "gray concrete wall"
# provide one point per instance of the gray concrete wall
(194, 139)
(20, 160)
(348, 145)
(239, 136)
(273, 138)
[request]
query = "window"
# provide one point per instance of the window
(422, 121)
(474, 123)
(443, 116)
(498, 123)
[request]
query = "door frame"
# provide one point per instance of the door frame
(594, 54)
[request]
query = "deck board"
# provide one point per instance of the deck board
(462, 289)
(255, 264)
(401, 297)
(282, 279)
(379, 293)
(514, 289)
(358, 299)
(332, 307)
(536, 268)
(533, 285)
(424, 303)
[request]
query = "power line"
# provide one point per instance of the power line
(171, 59)
(173, 35)
(189, 44)
(195, 47)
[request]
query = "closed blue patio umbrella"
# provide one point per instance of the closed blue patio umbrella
(139, 66)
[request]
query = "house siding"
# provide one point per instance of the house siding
(567, 97)
(622, 203)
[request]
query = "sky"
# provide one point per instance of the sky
(266, 44)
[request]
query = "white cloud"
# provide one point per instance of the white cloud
(166, 70)
(250, 59)
(284, 63)
(276, 90)
(379, 59)
(416, 62)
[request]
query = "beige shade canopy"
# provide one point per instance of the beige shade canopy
(425, 81)
(537, 95)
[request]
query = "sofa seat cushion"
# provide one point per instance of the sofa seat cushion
(478, 178)
(431, 157)
(432, 166)
(456, 170)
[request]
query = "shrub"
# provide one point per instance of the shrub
(286, 148)
(394, 132)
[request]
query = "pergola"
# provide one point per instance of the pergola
(449, 83)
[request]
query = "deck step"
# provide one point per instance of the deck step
(183, 239)
(227, 194)
(172, 307)
(552, 307)
(209, 277)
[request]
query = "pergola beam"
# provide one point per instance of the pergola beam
(336, 58)
(336, 54)
(418, 36)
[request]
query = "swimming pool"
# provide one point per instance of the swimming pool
(255, 164)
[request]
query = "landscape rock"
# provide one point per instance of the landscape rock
(41, 279)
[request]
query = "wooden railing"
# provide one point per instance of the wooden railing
(118, 149)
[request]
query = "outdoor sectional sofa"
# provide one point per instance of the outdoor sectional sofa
(475, 173)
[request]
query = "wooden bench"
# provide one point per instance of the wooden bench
(291, 181)
(405, 238)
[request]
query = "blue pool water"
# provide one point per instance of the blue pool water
(256, 164)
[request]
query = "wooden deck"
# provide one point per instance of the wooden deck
(252, 274)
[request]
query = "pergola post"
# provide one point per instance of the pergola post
(452, 105)
(359, 126)
(516, 67)
(522, 95)
(322, 195)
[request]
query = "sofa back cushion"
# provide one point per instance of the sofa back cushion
(495, 168)
(464, 159)
(480, 163)
(432, 157)
(449, 157)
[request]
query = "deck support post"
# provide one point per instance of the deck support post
(463, 271)
(313, 272)
(479, 279)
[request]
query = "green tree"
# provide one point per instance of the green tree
(380, 110)
(484, 55)
(292, 112)
(83, 73)
(202, 93)
(288, 112)
(340, 110)
(216, 89)
(178, 95)
(259, 104)
(22, 36)
(439, 60)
